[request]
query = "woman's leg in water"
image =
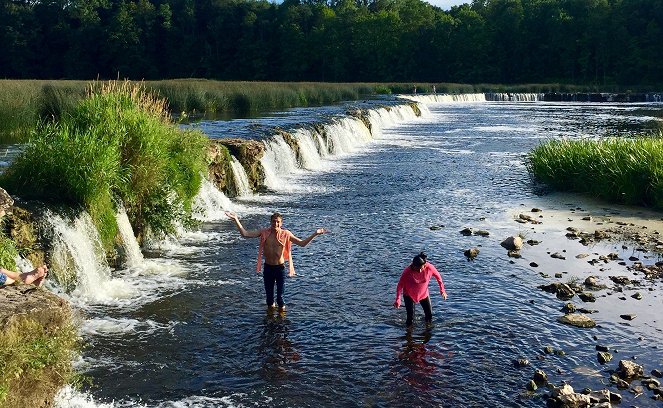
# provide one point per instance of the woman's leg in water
(428, 309)
(409, 308)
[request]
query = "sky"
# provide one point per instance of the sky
(446, 4)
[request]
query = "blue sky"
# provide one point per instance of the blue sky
(446, 4)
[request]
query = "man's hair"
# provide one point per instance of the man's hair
(275, 216)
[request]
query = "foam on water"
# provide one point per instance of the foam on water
(108, 326)
(68, 397)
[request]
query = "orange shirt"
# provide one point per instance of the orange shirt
(283, 237)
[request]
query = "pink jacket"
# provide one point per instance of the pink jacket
(415, 284)
(284, 239)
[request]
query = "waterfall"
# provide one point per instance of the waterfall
(78, 253)
(434, 98)
(308, 148)
(241, 179)
(278, 161)
(133, 255)
(339, 136)
(346, 134)
(515, 97)
(383, 117)
(210, 203)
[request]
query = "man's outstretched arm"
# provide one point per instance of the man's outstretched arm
(243, 232)
(304, 242)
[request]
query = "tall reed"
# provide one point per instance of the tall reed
(622, 170)
(119, 143)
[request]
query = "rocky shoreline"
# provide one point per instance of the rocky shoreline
(609, 254)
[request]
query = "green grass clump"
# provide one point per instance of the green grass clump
(119, 143)
(8, 253)
(628, 171)
(34, 361)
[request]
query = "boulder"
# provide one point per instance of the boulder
(629, 370)
(513, 243)
(565, 292)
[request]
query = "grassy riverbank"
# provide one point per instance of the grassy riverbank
(628, 171)
(24, 102)
(35, 361)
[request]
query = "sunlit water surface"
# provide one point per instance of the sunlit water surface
(206, 338)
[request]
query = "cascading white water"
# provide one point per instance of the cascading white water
(341, 136)
(308, 149)
(478, 97)
(241, 178)
(346, 134)
(383, 117)
(23, 265)
(133, 255)
(78, 252)
(278, 161)
(433, 98)
(210, 203)
(514, 97)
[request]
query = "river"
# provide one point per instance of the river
(186, 326)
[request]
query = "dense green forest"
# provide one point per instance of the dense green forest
(600, 42)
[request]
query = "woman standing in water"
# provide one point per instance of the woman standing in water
(413, 284)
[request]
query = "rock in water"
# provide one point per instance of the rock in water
(603, 357)
(577, 320)
(471, 253)
(512, 243)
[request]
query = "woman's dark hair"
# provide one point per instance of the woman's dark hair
(419, 260)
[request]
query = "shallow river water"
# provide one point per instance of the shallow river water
(193, 330)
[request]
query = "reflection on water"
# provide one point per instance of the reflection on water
(276, 349)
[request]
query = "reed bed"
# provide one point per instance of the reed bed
(621, 170)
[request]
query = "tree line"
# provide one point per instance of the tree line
(601, 42)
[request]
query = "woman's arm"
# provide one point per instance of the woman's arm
(438, 278)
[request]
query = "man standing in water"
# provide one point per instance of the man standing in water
(275, 244)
